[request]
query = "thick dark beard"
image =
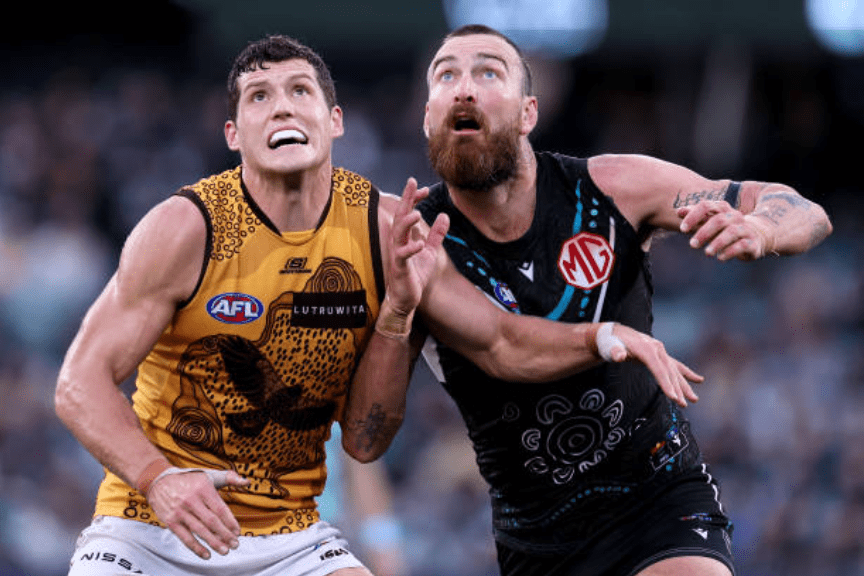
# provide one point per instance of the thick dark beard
(471, 166)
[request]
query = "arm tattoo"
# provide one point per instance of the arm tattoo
(792, 199)
(374, 428)
(696, 197)
(774, 211)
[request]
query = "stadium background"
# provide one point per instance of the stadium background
(104, 110)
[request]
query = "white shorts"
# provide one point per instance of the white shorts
(116, 546)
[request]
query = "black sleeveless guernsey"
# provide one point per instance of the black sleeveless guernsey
(565, 460)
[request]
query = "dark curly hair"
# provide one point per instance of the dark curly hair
(272, 49)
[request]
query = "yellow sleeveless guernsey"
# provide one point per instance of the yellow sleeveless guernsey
(254, 368)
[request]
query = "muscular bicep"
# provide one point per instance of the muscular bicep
(116, 334)
(159, 268)
(649, 191)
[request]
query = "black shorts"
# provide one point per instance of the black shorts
(685, 520)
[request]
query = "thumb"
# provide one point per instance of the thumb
(223, 478)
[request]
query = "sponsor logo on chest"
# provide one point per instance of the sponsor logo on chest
(586, 260)
(329, 309)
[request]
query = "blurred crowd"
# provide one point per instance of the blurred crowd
(85, 152)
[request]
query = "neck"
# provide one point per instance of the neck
(505, 212)
(293, 202)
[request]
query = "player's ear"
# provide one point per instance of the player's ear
(529, 114)
(231, 135)
(337, 126)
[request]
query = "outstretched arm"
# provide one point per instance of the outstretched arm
(521, 348)
(531, 349)
(765, 218)
(158, 269)
(376, 398)
(770, 219)
(508, 346)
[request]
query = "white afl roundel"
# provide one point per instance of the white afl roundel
(586, 260)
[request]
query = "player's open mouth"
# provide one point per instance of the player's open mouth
(465, 125)
(287, 137)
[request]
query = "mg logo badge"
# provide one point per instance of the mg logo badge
(586, 260)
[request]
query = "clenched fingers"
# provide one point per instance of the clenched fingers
(694, 217)
(722, 231)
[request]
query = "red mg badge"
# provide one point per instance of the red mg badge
(586, 260)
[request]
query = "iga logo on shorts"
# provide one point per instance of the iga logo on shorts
(235, 308)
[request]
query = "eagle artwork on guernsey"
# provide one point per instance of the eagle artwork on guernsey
(265, 406)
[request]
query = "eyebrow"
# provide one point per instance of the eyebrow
(268, 81)
(255, 84)
(479, 56)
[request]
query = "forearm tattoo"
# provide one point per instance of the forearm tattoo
(775, 211)
(694, 198)
(372, 429)
(775, 206)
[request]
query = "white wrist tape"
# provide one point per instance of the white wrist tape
(606, 341)
(218, 477)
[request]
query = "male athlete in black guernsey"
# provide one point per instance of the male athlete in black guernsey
(567, 459)
(598, 473)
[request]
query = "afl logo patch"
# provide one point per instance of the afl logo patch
(505, 296)
(586, 260)
(235, 308)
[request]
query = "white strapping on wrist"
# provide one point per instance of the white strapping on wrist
(218, 477)
(606, 341)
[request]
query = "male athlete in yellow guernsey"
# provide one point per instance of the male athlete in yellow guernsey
(253, 306)
(244, 302)
(253, 369)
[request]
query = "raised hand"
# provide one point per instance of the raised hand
(413, 254)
